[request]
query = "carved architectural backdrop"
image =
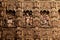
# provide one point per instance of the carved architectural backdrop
(29, 20)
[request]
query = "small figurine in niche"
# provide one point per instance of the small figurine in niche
(45, 18)
(28, 14)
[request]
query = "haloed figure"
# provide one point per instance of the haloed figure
(27, 14)
(45, 17)
(28, 20)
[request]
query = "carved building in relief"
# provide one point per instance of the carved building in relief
(29, 19)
